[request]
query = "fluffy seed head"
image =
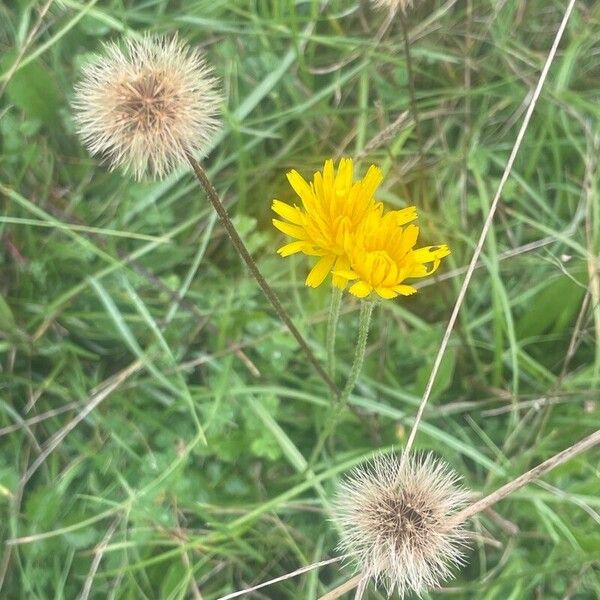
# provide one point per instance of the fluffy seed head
(144, 105)
(395, 521)
(403, 5)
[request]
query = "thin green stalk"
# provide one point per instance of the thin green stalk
(267, 290)
(411, 83)
(412, 93)
(366, 311)
(332, 321)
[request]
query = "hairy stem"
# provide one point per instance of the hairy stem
(364, 324)
(332, 321)
(241, 249)
(366, 310)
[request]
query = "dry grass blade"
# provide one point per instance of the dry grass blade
(300, 571)
(98, 553)
(34, 30)
(516, 484)
(111, 385)
(343, 588)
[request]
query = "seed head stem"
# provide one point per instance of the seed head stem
(241, 249)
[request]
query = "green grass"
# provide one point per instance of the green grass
(189, 476)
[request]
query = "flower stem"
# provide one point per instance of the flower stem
(241, 249)
(364, 324)
(332, 321)
(366, 310)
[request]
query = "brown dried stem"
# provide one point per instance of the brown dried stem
(241, 249)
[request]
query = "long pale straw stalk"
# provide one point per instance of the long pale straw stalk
(486, 228)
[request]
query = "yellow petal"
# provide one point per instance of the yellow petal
(361, 289)
(289, 229)
(405, 215)
(391, 277)
(423, 270)
(301, 188)
(387, 293)
(328, 176)
(430, 253)
(286, 211)
(371, 181)
(405, 290)
(320, 271)
(342, 264)
(311, 250)
(318, 192)
(409, 238)
(343, 179)
(417, 270)
(291, 248)
(347, 275)
(411, 233)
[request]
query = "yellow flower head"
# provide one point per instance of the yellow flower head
(342, 224)
(333, 205)
(381, 255)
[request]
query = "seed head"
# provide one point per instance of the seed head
(395, 522)
(146, 104)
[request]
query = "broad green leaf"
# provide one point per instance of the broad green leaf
(33, 90)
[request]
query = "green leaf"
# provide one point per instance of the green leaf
(553, 308)
(33, 89)
(7, 319)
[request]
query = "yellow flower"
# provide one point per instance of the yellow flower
(381, 255)
(333, 206)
